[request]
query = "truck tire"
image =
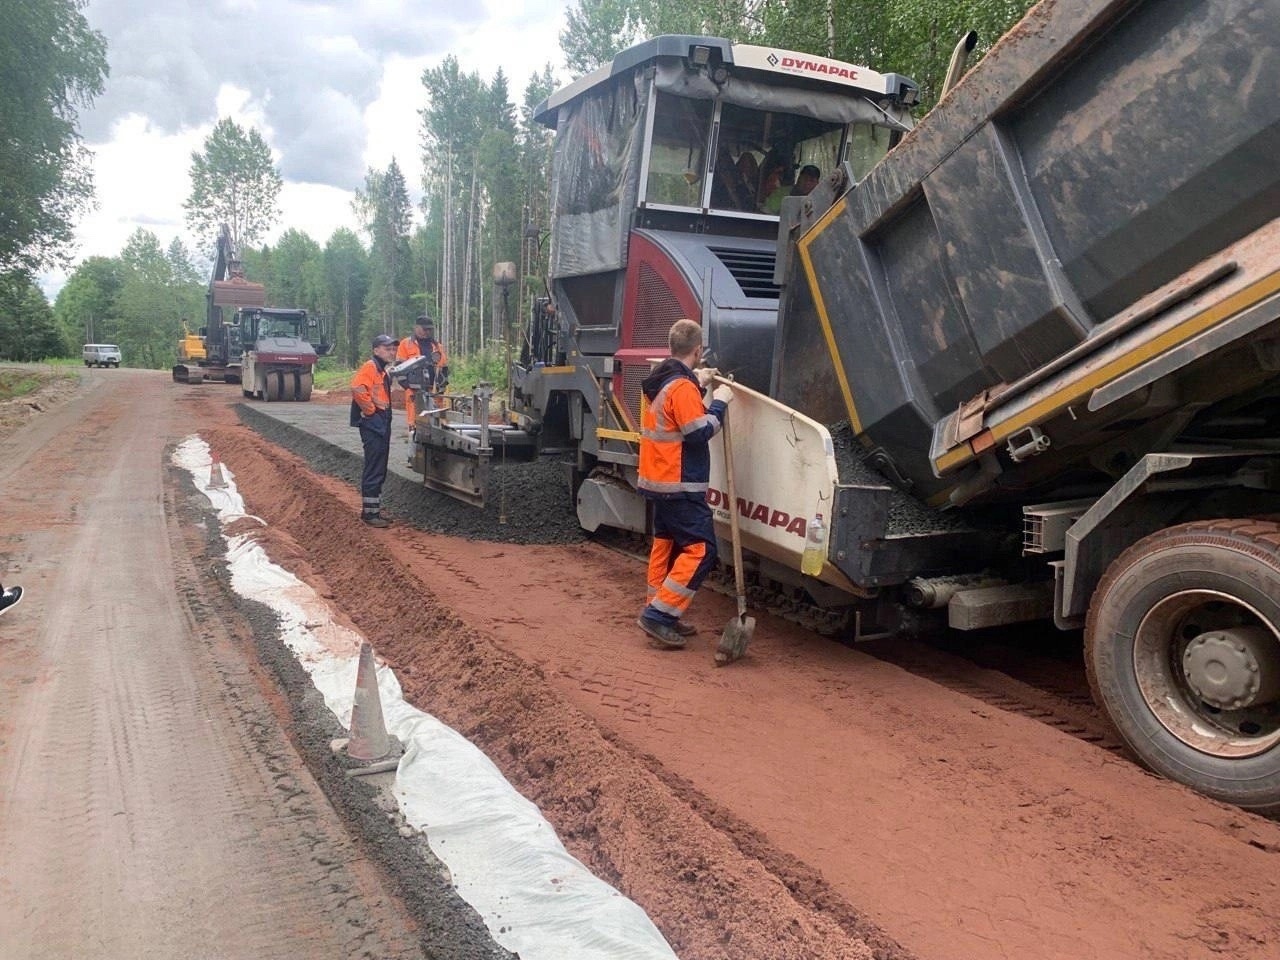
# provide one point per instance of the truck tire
(305, 382)
(271, 386)
(1182, 649)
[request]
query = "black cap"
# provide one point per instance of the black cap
(382, 340)
(424, 321)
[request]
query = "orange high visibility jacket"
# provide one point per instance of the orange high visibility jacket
(675, 459)
(411, 347)
(371, 388)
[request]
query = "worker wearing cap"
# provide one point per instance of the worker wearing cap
(423, 343)
(675, 473)
(371, 412)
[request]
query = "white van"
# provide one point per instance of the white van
(101, 355)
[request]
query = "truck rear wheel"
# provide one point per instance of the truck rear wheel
(1182, 648)
(305, 381)
(272, 385)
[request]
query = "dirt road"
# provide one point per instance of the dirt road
(809, 802)
(151, 803)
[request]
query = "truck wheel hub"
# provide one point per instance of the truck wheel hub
(1234, 667)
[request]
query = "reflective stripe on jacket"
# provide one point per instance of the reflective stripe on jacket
(675, 460)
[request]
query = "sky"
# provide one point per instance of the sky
(334, 87)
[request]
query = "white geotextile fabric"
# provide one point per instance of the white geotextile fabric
(504, 858)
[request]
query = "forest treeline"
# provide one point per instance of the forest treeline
(484, 188)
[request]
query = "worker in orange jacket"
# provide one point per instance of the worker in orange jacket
(371, 412)
(423, 343)
(675, 473)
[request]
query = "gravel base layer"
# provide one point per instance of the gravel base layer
(537, 506)
(907, 516)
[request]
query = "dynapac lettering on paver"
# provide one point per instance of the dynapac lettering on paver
(761, 513)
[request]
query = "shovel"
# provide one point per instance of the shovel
(738, 631)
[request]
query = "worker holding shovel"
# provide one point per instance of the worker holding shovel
(675, 473)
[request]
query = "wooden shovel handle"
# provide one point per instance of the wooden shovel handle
(738, 579)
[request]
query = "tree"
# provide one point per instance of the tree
(535, 142)
(86, 303)
(453, 123)
(257, 263)
(297, 272)
(346, 272)
(187, 284)
(387, 214)
(596, 31)
(27, 328)
(51, 63)
(146, 311)
(233, 181)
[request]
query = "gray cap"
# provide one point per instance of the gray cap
(383, 340)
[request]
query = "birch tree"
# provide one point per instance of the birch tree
(233, 181)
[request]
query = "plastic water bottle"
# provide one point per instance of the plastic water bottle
(815, 547)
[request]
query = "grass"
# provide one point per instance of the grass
(464, 372)
(21, 381)
(331, 375)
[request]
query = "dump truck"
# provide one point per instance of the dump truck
(1026, 364)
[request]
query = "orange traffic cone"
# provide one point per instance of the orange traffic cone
(217, 479)
(369, 740)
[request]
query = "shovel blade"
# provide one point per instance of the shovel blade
(733, 642)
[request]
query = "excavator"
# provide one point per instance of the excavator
(228, 288)
(190, 347)
(272, 351)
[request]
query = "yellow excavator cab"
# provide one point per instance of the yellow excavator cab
(191, 346)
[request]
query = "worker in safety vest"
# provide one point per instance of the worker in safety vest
(675, 473)
(371, 412)
(423, 343)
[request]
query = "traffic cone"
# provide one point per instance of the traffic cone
(369, 740)
(217, 479)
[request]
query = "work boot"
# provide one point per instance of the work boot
(9, 598)
(376, 520)
(660, 635)
(680, 627)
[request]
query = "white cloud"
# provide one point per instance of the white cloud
(138, 175)
(335, 88)
(315, 209)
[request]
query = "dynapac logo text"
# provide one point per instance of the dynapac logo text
(819, 66)
(760, 512)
